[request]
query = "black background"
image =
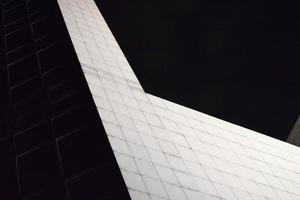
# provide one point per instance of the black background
(238, 61)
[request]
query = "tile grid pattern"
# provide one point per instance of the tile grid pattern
(167, 151)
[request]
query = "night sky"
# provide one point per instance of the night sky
(237, 61)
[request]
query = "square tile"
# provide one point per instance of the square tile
(241, 194)
(176, 163)
(225, 192)
(166, 174)
(126, 162)
(195, 169)
(175, 192)
(119, 145)
(187, 154)
(150, 142)
(158, 157)
(125, 121)
(153, 119)
(137, 114)
(136, 195)
(146, 168)
(186, 180)
(134, 181)
(139, 151)
(193, 195)
(168, 147)
(206, 187)
(132, 136)
(155, 187)
(143, 127)
(113, 130)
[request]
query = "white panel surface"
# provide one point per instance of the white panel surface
(167, 151)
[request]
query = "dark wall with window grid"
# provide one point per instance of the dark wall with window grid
(52, 142)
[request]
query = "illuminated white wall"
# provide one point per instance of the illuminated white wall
(167, 151)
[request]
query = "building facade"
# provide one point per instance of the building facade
(77, 124)
(293, 137)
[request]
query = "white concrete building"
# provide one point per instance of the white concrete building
(167, 151)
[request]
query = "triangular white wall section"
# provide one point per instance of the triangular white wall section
(167, 151)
